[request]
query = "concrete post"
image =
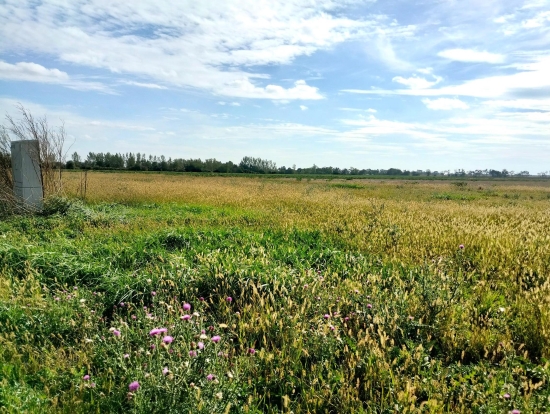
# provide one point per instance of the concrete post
(27, 180)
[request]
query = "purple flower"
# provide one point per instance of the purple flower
(186, 306)
(152, 346)
(185, 317)
(126, 356)
(133, 386)
(346, 319)
(157, 331)
(153, 293)
(516, 411)
(332, 328)
(192, 354)
(216, 339)
(200, 345)
(86, 377)
(121, 304)
(506, 395)
(462, 247)
(327, 316)
(229, 299)
(116, 332)
(201, 299)
(167, 339)
(210, 377)
(165, 371)
(57, 299)
(251, 351)
(369, 306)
(134, 317)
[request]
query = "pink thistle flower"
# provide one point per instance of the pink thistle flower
(57, 299)
(153, 293)
(185, 317)
(516, 411)
(229, 299)
(216, 339)
(332, 328)
(201, 299)
(200, 345)
(134, 317)
(167, 339)
(210, 377)
(126, 356)
(346, 319)
(306, 286)
(134, 386)
(121, 304)
(165, 371)
(152, 346)
(369, 306)
(203, 331)
(86, 377)
(116, 332)
(192, 354)
(186, 306)
(461, 247)
(157, 331)
(327, 316)
(251, 351)
(507, 396)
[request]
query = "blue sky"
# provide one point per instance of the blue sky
(370, 84)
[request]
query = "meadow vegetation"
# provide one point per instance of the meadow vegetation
(175, 293)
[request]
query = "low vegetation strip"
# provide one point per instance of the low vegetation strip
(171, 294)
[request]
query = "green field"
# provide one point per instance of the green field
(369, 296)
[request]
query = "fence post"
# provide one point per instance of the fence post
(27, 178)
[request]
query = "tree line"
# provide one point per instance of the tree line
(142, 162)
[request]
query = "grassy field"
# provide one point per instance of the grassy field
(193, 294)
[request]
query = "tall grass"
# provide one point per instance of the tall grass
(342, 299)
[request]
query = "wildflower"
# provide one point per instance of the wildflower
(153, 293)
(86, 377)
(201, 299)
(369, 306)
(167, 339)
(92, 385)
(346, 319)
(134, 317)
(216, 339)
(327, 316)
(516, 411)
(56, 299)
(305, 286)
(229, 299)
(152, 346)
(133, 386)
(507, 396)
(356, 291)
(165, 371)
(251, 351)
(185, 317)
(210, 377)
(75, 288)
(200, 345)
(332, 328)
(157, 331)
(192, 354)
(186, 306)
(116, 332)
(126, 356)
(461, 247)
(121, 304)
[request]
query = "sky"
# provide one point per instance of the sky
(430, 84)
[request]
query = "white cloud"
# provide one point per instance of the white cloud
(415, 82)
(204, 45)
(33, 72)
(235, 104)
(303, 107)
(243, 88)
(469, 55)
(445, 104)
(145, 85)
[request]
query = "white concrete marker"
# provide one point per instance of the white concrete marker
(27, 181)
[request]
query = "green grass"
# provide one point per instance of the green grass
(435, 336)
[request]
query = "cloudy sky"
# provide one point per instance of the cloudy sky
(439, 84)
